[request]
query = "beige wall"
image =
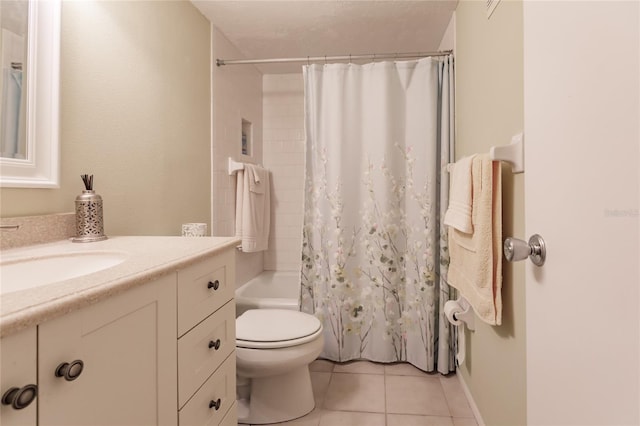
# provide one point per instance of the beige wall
(489, 110)
(135, 113)
(237, 95)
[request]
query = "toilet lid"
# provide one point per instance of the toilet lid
(270, 328)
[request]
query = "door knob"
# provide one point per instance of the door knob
(516, 249)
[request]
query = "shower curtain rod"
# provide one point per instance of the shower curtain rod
(309, 59)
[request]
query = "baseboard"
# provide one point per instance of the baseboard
(472, 403)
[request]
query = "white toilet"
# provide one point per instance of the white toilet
(274, 348)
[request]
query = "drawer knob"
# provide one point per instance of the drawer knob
(20, 398)
(214, 285)
(70, 371)
(215, 404)
(215, 345)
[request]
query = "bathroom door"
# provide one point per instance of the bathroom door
(581, 103)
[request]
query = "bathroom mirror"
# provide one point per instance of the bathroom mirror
(29, 93)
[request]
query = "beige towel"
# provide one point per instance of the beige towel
(458, 213)
(475, 267)
(253, 208)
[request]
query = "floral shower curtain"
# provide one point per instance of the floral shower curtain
(374, 255)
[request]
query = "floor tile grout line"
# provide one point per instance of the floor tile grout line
(446, 400)
(385, 412)
(384, 383)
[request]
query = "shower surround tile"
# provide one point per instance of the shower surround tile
(283, 143)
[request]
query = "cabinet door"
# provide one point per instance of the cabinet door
(18, 363)
(128, 346)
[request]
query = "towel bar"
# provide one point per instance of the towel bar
(234, 166)
(512, 153)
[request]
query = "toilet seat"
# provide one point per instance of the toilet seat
(275, 328)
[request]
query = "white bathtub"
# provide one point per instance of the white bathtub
(270, 289)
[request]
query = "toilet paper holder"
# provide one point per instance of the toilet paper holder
(467, 316)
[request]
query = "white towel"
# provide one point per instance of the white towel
(458, 213)
(475, 267)
(253, 208)
(257, 177)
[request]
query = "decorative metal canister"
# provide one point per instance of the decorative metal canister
(89, 219)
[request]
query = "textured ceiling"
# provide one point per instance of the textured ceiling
(300, 28)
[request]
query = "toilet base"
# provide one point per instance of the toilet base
(278, 398)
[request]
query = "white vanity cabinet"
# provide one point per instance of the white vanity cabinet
(159, 353)
(127, 346)
(18, 381)
(206, 342)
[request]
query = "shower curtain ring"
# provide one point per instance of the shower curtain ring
(349, 57)
(308, 61)
(325, 59)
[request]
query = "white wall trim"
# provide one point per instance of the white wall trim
(472, 402)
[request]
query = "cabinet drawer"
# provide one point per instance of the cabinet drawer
(197, 298)
(196, 359)
(222, 385)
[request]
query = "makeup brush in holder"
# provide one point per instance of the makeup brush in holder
(89, 220)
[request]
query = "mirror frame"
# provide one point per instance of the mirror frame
(41, 169)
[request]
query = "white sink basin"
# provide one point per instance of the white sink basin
(32, 272)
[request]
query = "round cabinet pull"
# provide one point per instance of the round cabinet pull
(20, 398)
(215, 404)
(214, 285)
(70, 371)
(215, 345)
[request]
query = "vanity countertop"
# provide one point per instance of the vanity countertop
(147, 258)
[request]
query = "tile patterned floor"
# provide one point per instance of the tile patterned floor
(363, 393)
